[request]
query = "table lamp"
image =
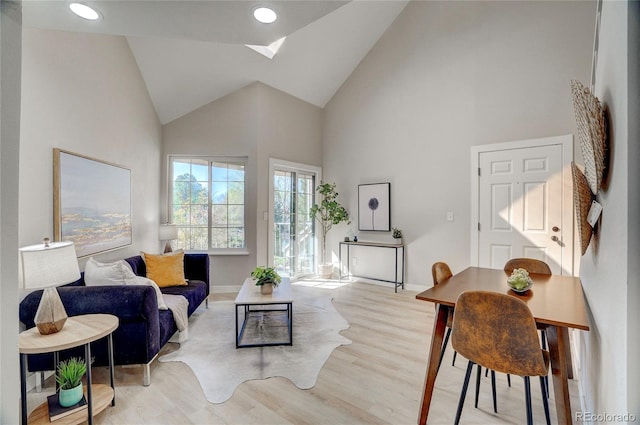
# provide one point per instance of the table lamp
(47, 266)
(168, 232)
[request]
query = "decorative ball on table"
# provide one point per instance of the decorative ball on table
(267, 278)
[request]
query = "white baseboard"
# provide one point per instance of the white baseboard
(225, 289)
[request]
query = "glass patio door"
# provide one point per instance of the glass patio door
(294, 245)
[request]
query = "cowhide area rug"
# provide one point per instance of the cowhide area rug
(211, 353)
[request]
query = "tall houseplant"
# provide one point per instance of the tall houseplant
(327, 213)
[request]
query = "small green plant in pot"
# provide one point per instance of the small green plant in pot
(397, 234)
(267, 278)
(69, 377)
(327, 213)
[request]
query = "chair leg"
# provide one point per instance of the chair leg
(493, 391)
(527, 396)
(478, 377)
(543, 337)
(463, 394)
(545, 399)
(453, 363)
(509, 380)
(444, 347)
(493, 387)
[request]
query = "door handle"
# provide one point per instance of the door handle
(555, 228)
(554, 238)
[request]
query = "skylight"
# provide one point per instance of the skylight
(267, 51)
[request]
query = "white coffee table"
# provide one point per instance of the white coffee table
(258, 310)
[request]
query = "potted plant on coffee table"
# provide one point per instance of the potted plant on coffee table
(69, 377)
(266, 278)
(327, 213)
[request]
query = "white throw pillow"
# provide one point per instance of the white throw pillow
(118, 273)
(101, 274)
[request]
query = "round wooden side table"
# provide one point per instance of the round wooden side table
(77, 331)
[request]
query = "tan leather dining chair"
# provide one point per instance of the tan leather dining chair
(498, 332)
(441, 272)
(532, 266)
(529, 264)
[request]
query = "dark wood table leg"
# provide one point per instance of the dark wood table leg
(568, 355)
(437, 336)
(559, 349)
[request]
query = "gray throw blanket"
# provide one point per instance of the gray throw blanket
(178, 306)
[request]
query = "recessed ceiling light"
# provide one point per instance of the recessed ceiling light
(265, 15)
(84, 11)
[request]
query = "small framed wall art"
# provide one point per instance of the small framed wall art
(374, 207)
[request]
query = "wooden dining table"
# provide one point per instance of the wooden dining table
(557, 302)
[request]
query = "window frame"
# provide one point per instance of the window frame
(210, 159)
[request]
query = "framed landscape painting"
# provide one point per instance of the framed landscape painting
(374, 207)
(91, 203)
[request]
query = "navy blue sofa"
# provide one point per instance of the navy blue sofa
(143, 329)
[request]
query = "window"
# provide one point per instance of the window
(207, 196)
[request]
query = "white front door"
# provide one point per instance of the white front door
(522, 204)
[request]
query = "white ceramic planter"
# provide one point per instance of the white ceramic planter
(325, 270)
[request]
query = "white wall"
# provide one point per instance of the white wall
(444, 77)
(10, 51)
(84, 93)
(290, 129)
(610, 376)
(259, 122)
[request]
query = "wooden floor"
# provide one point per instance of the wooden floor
(377, 379)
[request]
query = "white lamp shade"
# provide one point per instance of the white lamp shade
(168, 232)
(42, 267)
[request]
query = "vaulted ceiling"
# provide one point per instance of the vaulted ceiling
(191, 53)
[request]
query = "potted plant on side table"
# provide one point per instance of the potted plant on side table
(266, 278)
(69, 377)
(328, 213)
(397, 235)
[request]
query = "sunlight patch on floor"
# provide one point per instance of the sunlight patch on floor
(317, 282)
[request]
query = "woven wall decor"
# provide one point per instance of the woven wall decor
(582, 197)
(591, 131)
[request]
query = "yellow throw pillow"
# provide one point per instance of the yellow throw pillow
(166, 270)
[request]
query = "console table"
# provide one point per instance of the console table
(77, 331)
(399, 260)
